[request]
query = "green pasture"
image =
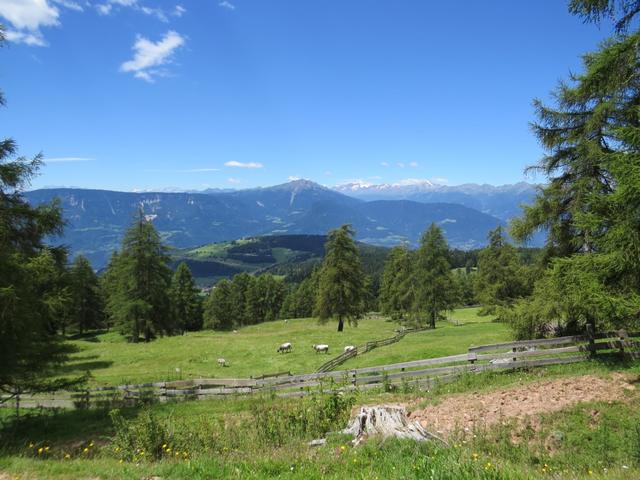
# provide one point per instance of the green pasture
(252, 350)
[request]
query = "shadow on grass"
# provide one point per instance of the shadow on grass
(55, 427)
(615, 361)
(91, 336)
(84, 367)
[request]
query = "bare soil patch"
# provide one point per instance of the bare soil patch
(463, 412)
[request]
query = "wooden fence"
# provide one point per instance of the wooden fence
(361, 349)
(416, 374)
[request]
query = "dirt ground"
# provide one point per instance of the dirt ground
(462, 412)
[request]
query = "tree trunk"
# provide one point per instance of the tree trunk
(386, 421)
(340, 324)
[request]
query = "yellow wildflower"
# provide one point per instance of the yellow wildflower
(40, 450)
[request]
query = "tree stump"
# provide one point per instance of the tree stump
(386, 421)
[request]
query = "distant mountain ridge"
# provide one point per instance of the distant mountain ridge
(97, 219)
(503, 202)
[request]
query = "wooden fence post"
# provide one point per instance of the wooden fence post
(592, 340)
(622, 337)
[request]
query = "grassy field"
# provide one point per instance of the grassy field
(252, 351)
(231, 439)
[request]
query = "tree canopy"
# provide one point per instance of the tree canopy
(341, 285)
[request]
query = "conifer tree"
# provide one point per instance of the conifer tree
(139, 283)
(590, 203)
(435, 291)
(30, 349)
(397, 290)
(186, 305)
(86, 309)
(501, 278)
(218, 307)
(341, 289)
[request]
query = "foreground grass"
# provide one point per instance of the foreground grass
(590, 440)
(252, 351)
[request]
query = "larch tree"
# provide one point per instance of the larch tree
(30, 348)
(186, 306)
(218, 307)
(341, 286)
(139, 284)
(590, 204)
(501, 278)
(86, 311)
(435, 287)
(398, 286)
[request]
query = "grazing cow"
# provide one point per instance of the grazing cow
(285, 348)
(321, 348)
(222, 362)
(349, 348)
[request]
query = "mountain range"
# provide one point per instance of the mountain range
(97, 219)
(502, 201)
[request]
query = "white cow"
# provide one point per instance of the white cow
(222, 362)
(285, 347)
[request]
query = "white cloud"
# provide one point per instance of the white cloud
(228, 5)
(31, 39)
(234, 180)
(155, 12)
(293, 178)
(149, 57)
(104, 9)
(27, 17)
(233, 163)
(179, 11)
(384, 164)
(413, 164)
(29, 14)
(70, 5)
(400, 164)
(68, 159)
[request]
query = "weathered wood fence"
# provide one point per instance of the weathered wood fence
(361, 349)
(417, 373)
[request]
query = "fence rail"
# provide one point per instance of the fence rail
(420, 373)
(361, 349)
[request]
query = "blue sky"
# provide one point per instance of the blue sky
(145, 94)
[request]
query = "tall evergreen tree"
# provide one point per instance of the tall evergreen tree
(86, 310)
(501, 278)
(241, 284)
(186, 306)
(138, 298)
(591, 202)
(436, 291)
(30, 349)
(398, 286)
(218, 307)
(341, 289)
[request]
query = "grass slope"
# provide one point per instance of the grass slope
(252, 351)
(590, 440)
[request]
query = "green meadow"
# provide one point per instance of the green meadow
(252, 350)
